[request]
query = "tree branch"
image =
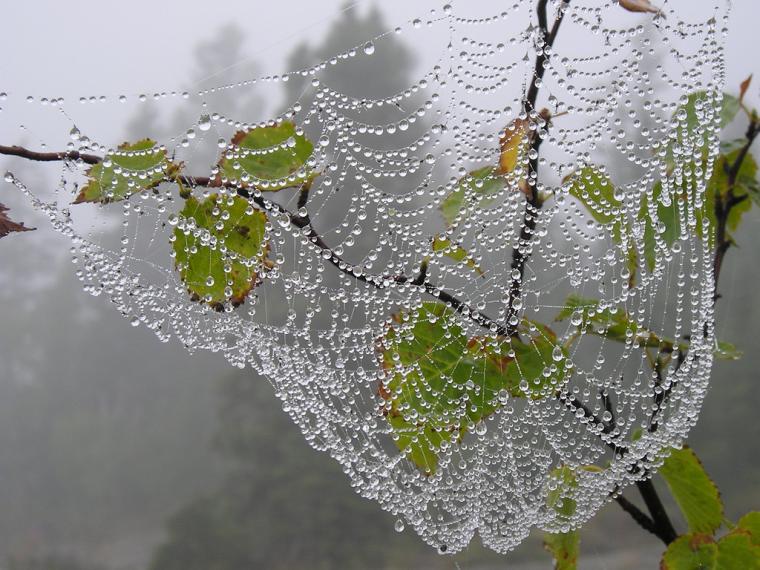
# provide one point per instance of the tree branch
(298, 221)
(665, 530)
(723, 206)
(71, 155)
(521, 253)
(637, 514)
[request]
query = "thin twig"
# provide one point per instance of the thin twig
(71, 155)
(522, 251)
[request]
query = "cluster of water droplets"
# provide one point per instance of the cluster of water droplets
(345, 261)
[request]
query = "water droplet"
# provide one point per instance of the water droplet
(9, 177)
(557, 354)
(399, 526)
(204, 123)
(369, 48)
(75, 134)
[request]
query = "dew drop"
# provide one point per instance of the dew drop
(204, 123)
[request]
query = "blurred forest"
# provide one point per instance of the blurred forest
(120, 453)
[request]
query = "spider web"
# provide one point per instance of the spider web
(330, 323)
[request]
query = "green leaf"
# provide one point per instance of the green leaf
(130, 169)
(750, 523)
(690, 552)
(562, 481)
(737, 551)
(269, 158)
(668, 217)
(594, 189)
(420, 442)
(455, 252)
(474, 191)
(699, 100)
(745, 185)
(565, 548)
(612, 323)
(727, 351)
(729, 109)
(439, 384)
(693, 490)
(217, 234)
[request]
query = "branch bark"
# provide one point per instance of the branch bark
(521, 253)
(724, 205)
(664, 529)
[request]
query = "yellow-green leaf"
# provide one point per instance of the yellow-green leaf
(745, 185)
(693, 490)
(474, 191)
(220, 248)
(455, 252)
(690, 552)
(513, 142)
(668, 217)
(612, 323)
(594, 189)
(727, 351)
(562, 483)
(440, 384)
(269, 158)
(750, 523)
(129, 169)
(736, 551)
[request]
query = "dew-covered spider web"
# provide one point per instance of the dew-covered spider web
(494, 310)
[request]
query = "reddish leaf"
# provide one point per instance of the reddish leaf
(743, 87)
(639, 6)
(7, 225)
